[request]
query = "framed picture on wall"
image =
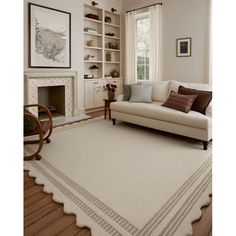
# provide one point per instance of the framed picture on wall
(183, 47)
(49, 37)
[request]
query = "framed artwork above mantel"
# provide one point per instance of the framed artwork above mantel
(49, 37)
(183, 47)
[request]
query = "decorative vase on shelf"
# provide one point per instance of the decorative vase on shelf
(111, 95)
(115, 73)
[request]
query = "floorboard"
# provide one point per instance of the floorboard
(84, 232)
(35, 206)
(28, 185)
(72, 229)
(43, 216)
(44, 221)
(58, 225)
(32, 191)
(41, 213)
(34, 198)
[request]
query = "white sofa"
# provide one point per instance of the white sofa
(153, 115)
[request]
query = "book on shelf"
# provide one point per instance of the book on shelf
(90, 30)
(108, 76)
(88, 77)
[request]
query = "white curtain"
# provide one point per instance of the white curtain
(210, 43)
(155, 42)
(130, 49)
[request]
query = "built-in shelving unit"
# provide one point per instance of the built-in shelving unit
(112, 43)
(101, 42)
(93, 41)
(102, 35)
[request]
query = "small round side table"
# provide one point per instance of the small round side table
(107, 107)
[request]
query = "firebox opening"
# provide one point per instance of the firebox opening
(53, 97)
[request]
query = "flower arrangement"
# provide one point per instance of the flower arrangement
(110, 88)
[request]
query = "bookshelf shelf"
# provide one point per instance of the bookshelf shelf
(95, 34)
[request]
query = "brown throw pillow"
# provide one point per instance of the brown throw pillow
(179, 101)
(202, 101)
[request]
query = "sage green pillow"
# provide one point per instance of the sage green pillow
(126, 92)
(141, 93)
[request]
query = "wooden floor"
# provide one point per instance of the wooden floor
(43, 216)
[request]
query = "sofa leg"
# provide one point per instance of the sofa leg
(205, 145)
(113, 121)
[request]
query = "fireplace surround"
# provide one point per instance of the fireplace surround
(34, 81)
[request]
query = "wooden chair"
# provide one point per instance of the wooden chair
(34, 127)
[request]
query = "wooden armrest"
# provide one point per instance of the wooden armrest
(43, 108)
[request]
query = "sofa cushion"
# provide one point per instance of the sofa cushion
(174, 85)
(156, 111)
(160, 90)
(201, 102)
(126, 92)
(209, 110)
(141, 93)
(180, 102)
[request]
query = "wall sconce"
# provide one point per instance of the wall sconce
(94, 3)
(113, 9)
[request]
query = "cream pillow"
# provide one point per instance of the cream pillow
(174, 86)
(160, 90)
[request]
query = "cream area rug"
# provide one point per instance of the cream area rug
(125, 180)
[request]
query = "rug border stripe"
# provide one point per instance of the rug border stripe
(134, 231)
(168, 206)
(175, 222)
(83, 206)
(95, 201)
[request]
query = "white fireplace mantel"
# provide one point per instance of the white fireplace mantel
(34, 80)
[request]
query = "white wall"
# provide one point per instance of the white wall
(75, 7)
(182, 18)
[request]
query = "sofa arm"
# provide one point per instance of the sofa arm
(209, 110)
(120, 97)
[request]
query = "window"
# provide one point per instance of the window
(143, 43)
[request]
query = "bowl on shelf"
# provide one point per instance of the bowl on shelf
(107, 19)
(115, 73)
(110, 34)
(92, 43)
(92, 16)
(112, 45)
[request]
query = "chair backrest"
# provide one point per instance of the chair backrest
(29, 123)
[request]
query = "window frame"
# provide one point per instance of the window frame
(141, 16)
